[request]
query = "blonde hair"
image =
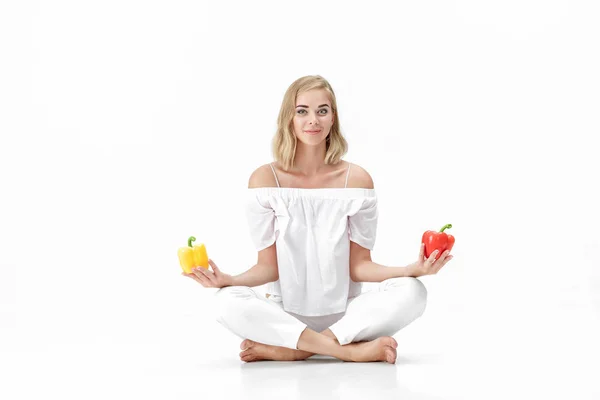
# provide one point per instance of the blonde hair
(284, 142)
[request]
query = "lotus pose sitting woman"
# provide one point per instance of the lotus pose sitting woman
(313, 220)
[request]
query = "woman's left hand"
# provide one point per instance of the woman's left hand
(429, 266)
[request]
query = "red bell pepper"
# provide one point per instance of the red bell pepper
(438, 241)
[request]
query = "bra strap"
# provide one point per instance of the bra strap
(347, 175)
(274, 174)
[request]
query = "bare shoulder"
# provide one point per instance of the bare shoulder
(359, 178)
(262, 177)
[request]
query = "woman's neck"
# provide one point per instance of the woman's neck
(309, 160)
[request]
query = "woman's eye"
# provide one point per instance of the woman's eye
(302, 111)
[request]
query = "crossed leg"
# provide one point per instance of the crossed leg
(255, 351)
(380, 349)
(365, 329)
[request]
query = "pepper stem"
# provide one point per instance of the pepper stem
(190, 240)
(448, 226)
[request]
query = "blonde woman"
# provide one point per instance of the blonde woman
(313, 220)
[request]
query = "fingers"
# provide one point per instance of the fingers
(210, 276)
(197, 279)
(204, 281)
(200, 277)
(206, 274)
(442, 261)
(432, 258)
(425, 266)
(422, 252)
(214, 266)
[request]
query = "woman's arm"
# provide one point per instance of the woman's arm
(368, 271)
(363, 269)
(265, 270)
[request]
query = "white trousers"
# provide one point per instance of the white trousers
(383, 311)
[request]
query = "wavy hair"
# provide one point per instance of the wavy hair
(284, 142)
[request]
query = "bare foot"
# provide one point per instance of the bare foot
(380, 349)
(254, 351)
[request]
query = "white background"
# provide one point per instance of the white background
(126, 127)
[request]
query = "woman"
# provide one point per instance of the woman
(313, 220)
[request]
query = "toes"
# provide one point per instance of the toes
(246, 344)
(245, 353)
(390, 356)
(390, 341)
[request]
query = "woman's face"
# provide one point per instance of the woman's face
(313, 116)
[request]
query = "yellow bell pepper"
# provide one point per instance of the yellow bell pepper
(192, 257)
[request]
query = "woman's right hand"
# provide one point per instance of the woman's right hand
(210, 279)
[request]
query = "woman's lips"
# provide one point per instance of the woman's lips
(312, 132)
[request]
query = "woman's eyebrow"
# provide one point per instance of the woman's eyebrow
(322, 105)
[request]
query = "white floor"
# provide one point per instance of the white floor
(168, 350)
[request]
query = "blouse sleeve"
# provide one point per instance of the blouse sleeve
(363, 224)
(261, 220)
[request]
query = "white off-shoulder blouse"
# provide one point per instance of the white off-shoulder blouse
(312, 229)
